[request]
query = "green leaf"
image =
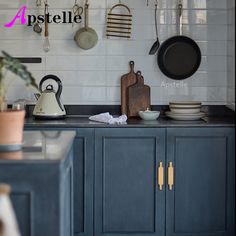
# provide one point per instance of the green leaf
(19, 69)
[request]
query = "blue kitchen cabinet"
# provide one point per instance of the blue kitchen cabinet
(128, 200)
(116, 191)
(201, 201)
(83, 163)
(42, 191)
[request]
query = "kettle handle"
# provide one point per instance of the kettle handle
(59, 91)
(55, 78)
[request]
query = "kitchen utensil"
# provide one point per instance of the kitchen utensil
(49, 105)
(126, 81)
(37, 26)
(149, 115)
(86, 37)
(186, 117)
(119, 24)
(179, 57)
(138, 97)
(156, 45)
(46, 44)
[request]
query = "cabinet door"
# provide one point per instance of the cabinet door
(83, 182)
(127, 198)
(201, 202)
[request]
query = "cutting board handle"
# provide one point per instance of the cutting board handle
(139, 78)
(131, 63)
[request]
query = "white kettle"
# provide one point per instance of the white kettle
(49, 105)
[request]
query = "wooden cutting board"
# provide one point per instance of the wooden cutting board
(138, 97)
(126, 81)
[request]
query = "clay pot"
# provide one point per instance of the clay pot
(11, 127)
(11, 156)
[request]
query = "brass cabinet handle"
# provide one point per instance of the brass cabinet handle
(161, 176)
(171, 176)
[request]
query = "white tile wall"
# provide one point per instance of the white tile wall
(93, 77)
(231, 54)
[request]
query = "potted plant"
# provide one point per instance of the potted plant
(12, 121)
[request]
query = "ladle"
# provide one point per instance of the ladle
(156, 45)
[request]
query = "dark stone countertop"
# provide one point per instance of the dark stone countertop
(78, 118)
(162, 122)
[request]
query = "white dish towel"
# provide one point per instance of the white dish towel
(109, 119)
(7, 217)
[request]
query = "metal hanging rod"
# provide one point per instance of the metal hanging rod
(28, 60)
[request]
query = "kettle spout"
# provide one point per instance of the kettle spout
(37, 95)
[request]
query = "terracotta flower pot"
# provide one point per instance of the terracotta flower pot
(11, 156)
(11, 127)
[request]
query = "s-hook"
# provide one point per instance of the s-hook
(46, 3)
(77, 10)
(38, 3)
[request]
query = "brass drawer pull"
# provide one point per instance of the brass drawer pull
(171, 176)
(161, 176)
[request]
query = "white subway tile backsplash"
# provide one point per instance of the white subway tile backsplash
(209, 79)
(84, 95)
(113, 94)
(23, 47)
(214, 63)
(61, 63)
(69, 47)
(93, 76)
(81, 78)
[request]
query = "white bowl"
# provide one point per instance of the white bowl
(185, 104)
(149, 115)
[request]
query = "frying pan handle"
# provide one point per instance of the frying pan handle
(180, 14)
(86, 23)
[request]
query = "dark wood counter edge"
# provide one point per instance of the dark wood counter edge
(88, 110)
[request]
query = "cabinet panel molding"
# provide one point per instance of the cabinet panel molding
(201, 202)
(127, 197)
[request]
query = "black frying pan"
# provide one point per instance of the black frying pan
(179, 57)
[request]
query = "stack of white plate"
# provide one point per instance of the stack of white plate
(187, 111)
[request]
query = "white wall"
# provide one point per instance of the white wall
(93, 77)
(231, 54)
